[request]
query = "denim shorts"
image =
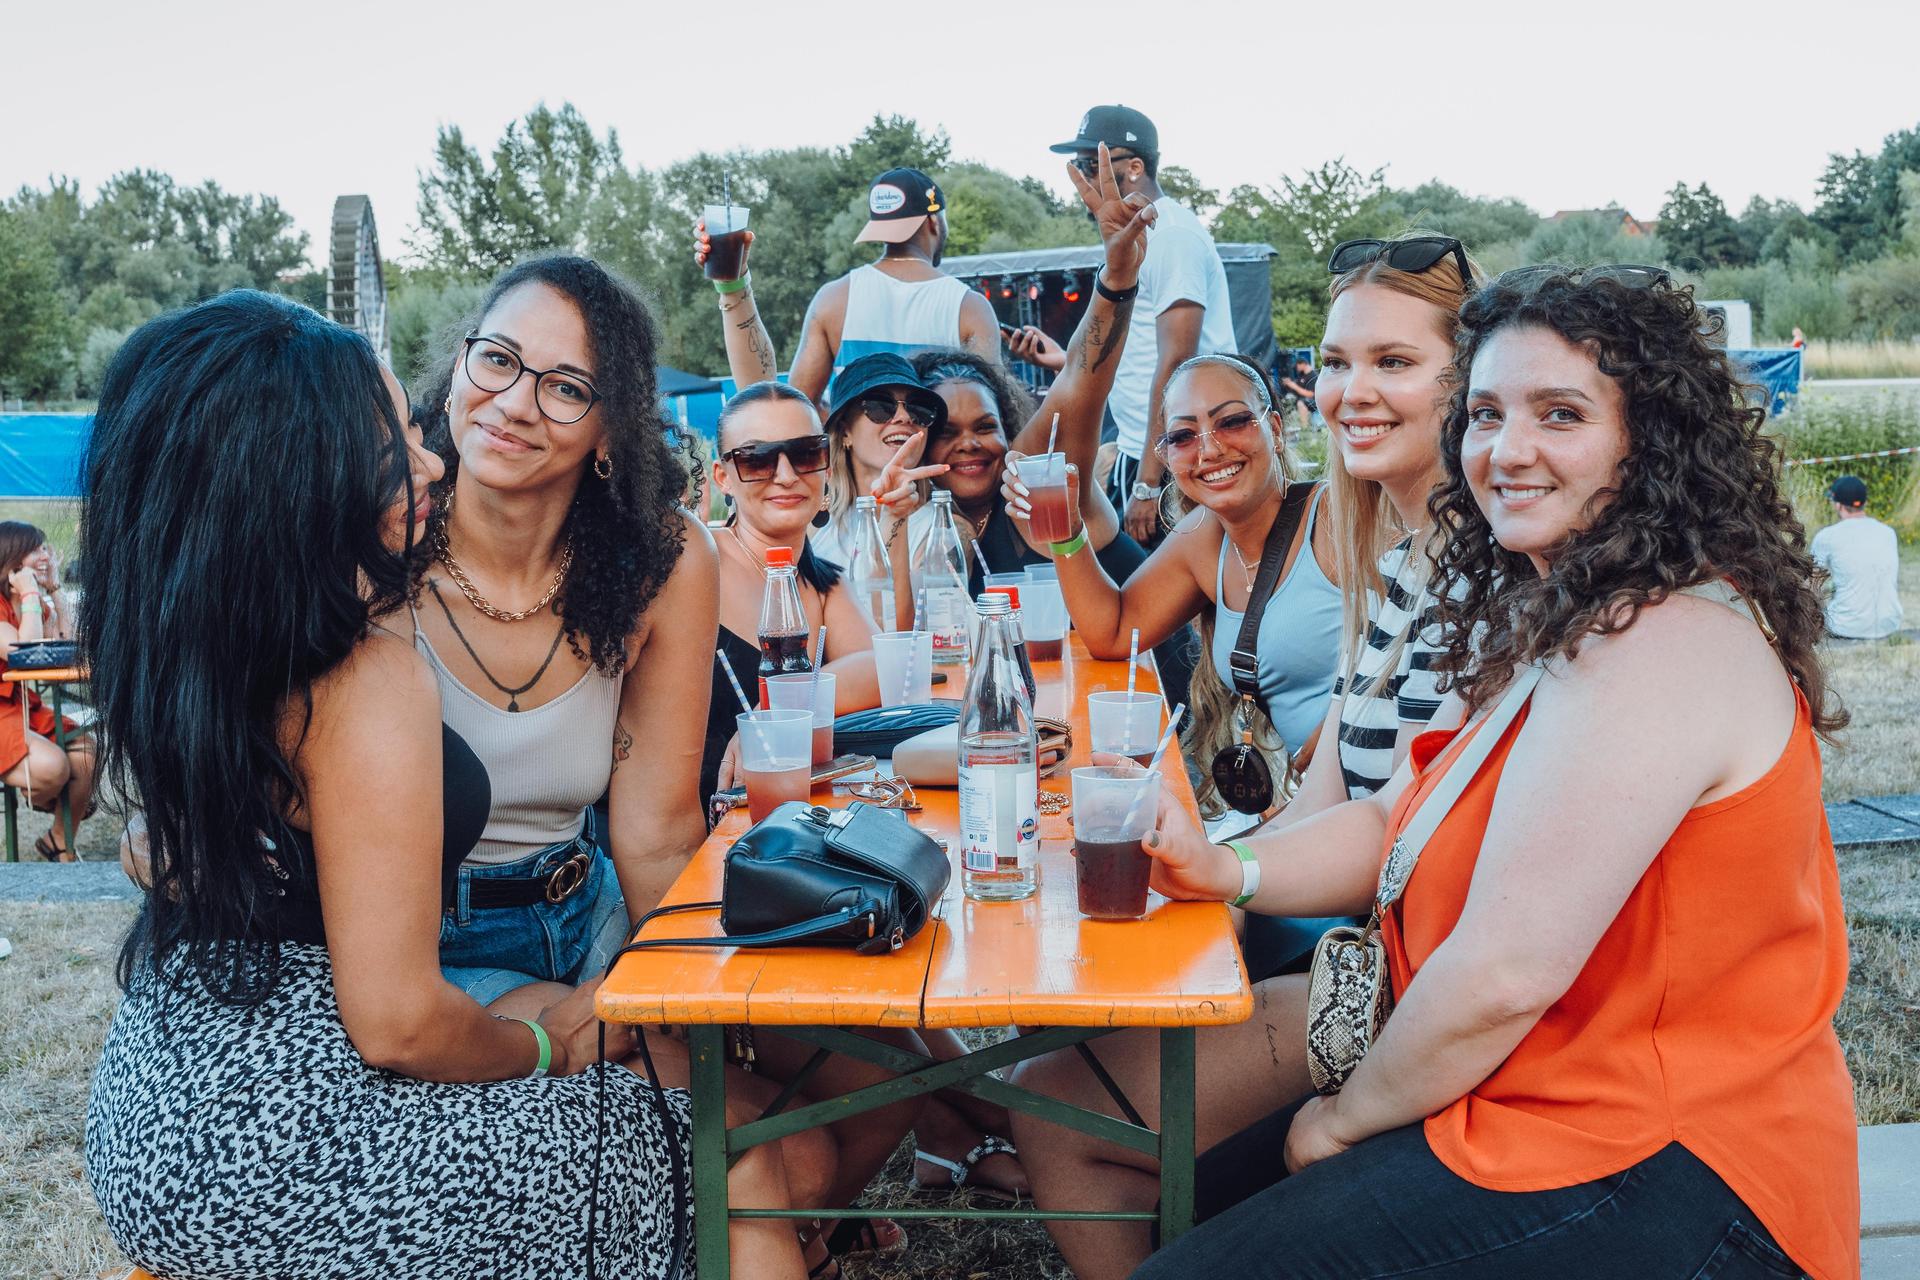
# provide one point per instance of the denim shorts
(487, 953)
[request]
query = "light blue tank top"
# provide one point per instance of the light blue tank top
(1298, 644)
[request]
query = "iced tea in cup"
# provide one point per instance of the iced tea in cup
(903, 663)
(727, 232)
(1113, 811)
(776, 755)
(1124, 724)
(807, 693)
(1045, 475)
(1043, 614)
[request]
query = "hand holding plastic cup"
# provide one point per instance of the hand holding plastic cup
(727, 234)
(903, 663)
(1113, 811)
(1125, 724)
(1045, 476)
(811, 691)
(776, 756)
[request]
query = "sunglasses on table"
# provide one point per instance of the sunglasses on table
(755, 463)
(1412, 255)
(879, 410)
(1182, 443)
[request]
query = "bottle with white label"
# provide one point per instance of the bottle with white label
(943, 586)
(999, 779)
(870, 568)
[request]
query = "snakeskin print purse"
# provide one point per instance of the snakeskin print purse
(1349, 996)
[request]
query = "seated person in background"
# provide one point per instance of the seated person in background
(291, 1087)
(1299, 389)
(1616, 962)
(1862, 559)
(36, 607)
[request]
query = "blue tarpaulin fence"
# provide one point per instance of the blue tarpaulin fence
(40, 454)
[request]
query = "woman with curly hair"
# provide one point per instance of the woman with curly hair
(1616, 954)
(559, 548)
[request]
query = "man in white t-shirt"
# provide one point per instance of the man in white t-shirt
(1862, 556)
(1182, 309)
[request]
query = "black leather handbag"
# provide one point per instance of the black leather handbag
(861, 877)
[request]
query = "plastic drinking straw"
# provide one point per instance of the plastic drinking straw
(819, 656)
(1153, 765)
(726, 196)
(985, 571)
(738, 692)
(906, 671)
(1053, 432)
(1133, 661)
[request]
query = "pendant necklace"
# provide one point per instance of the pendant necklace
(513, 695)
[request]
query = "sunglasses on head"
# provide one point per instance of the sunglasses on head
(1625, 274)
(1412, 255)
(879, 410)
(755, 463)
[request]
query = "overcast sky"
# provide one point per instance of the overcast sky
(1563, 105)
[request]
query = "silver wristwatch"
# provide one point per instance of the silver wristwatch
(1144, 492)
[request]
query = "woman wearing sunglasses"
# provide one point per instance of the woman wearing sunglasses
(1387, 353)
(1612, 918)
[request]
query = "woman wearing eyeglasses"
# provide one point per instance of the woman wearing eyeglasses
(1386, 356)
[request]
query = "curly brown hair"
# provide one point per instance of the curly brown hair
(627, 530)
(1696, 498)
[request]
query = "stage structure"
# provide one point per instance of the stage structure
(1050, 288)
(356, 287)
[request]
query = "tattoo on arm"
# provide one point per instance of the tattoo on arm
(622, 744)
(759, 349)
(1101, 337)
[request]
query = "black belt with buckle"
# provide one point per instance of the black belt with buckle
(556, 886)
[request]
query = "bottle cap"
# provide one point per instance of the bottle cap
(779, 557)
(1012, 593)
(994, 603)
(865, 502)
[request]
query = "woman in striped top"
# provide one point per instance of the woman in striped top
(1386, 354)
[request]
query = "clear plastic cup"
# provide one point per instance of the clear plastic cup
(1125, 724)
(776, 755)
(807, 692)
(903, 662)
(727, 234)
(1043, 614)
(1045, 475)
(1113, 811)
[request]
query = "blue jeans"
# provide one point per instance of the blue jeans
(487, 953)
(1388, 1207)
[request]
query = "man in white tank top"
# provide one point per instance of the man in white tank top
(903, 302)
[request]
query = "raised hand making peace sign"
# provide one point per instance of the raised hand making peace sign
(1123, 221)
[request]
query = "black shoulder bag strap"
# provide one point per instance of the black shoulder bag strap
(1245, 663)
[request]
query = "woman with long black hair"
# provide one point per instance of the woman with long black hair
(291, 1087)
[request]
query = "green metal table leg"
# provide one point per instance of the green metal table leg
(710, 1208)
(63, 805)
(1176, 1132)
(13, 825)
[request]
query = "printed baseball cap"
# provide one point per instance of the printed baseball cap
(1119, 127)
(1848, 491)
(896, 202)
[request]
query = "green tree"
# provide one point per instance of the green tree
(36, 357)
(895, 142)
(1179, 182)
(1847, 208)
(1697, 229)
(477, 217)
(1476, 222)
(1587, 238)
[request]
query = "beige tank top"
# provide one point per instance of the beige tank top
(546, 764)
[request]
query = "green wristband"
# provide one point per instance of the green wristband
(546, 1049)
(1064, 549)
(730, 286)
(1249, 873)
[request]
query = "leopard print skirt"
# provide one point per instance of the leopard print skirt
(255, 1144)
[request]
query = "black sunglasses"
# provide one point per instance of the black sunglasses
(880, 409)
(1412, 255)
(1625, 274)
(755, 463)
(1090, 164)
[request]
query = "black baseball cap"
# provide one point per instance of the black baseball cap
(1848, 491)
(1121, 128)
(872, 372)
(896, 202)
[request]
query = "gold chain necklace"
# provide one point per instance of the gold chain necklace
(480, 602)
(1246, 571)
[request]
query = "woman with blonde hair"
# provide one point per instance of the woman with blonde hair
(1387, 358)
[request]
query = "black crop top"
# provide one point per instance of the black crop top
(466, 797)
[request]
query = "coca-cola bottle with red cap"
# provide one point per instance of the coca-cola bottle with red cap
(783, 622)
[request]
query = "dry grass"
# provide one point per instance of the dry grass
(1862, 359)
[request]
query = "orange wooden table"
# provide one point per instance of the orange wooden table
(59, 678)
(1035, 964)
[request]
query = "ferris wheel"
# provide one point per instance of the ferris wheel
(356, 290)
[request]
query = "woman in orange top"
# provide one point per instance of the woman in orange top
(1617, 960)
(34, 606)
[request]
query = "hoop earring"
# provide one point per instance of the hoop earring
(820, 517)
(603, 467)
